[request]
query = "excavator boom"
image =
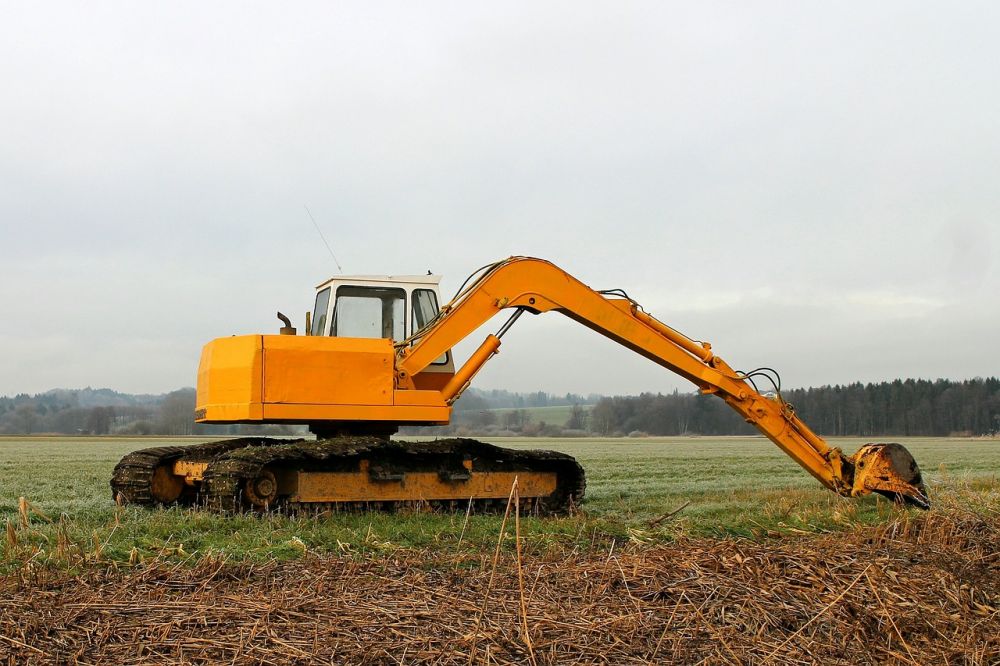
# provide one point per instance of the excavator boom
(535, 285)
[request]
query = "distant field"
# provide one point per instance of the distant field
(552, 415)
(735, 486)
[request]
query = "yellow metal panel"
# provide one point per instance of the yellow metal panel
(397, 413)
(244, 412)
(431, 379)
(419, 398)
(229, 378)
(358, 486)
(190, 471)
(319, 370)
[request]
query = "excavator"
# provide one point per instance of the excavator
(377, 354)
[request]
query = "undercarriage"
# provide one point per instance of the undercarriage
(348, 473)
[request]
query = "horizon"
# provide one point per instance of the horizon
(586, 395)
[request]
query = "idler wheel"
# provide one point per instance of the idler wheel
(262, 490)
(165, 486)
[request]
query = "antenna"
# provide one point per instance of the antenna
(323, 237)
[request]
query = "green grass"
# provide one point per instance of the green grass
(735, 486)
(557, 415)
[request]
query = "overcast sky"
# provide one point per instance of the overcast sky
(811, 186)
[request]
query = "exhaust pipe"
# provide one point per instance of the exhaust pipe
(287, 329)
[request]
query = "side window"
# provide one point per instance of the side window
(425, 308)
(319, 314)
(369, 312)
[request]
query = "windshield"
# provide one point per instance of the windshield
(369, 312)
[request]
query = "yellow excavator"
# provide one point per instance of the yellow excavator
(377, 354)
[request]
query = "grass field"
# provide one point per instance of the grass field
(762, 566)
(734, 486)
(556, 415)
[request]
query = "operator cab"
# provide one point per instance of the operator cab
(379, 306)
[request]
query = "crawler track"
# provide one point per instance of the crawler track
(231, 464)
(131, 482)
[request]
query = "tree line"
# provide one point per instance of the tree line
(912, 407)
(106, 412)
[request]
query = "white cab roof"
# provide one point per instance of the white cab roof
(377, 280)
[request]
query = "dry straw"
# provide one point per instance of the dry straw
(916, 590)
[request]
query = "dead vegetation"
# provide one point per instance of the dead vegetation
(920, 589)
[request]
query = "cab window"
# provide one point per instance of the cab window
(369, 312)
(319, 314)
(425, 308)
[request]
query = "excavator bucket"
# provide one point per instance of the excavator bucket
(889, 470)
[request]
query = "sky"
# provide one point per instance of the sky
(808, 186)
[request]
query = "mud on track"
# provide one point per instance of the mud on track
(920, 590)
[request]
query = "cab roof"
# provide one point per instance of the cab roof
(381, 279)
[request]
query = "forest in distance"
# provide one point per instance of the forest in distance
(911, 407)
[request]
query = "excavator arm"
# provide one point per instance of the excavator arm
(534, 285)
